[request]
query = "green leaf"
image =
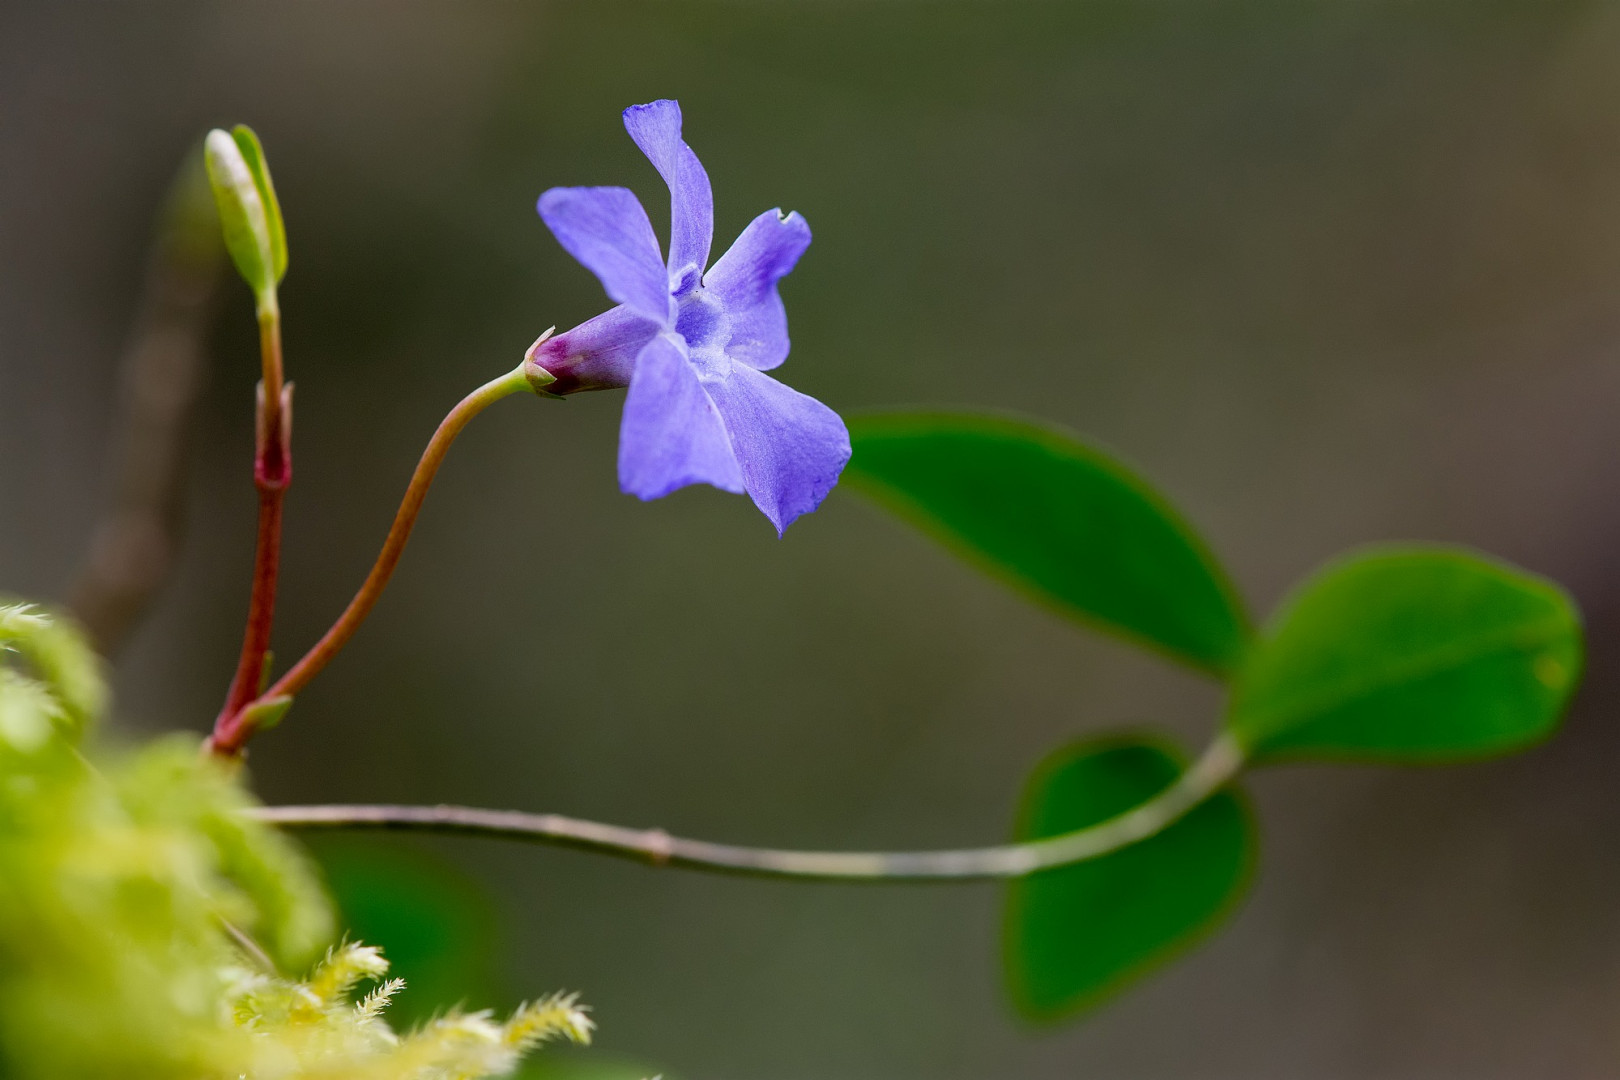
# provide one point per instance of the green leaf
(253, 155)
(1411, 654)
(243, 217)
(1077, 934)
(1060, 520)
(266, 714)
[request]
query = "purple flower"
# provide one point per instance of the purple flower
(692, 344)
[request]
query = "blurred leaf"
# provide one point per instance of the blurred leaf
(291, 915)
(1061, 520)
(253, 154)
(1077, 934)
(57, 650)
(1410, 654)
(434, 923)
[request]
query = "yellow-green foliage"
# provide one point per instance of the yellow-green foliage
(146, 921)
(312, 1029)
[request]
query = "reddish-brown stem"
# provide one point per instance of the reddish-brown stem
(270, 453)
(235, 730)
(272, 473)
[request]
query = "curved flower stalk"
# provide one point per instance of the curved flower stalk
(692, 341)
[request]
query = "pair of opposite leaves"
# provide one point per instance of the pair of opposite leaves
(1419, 654)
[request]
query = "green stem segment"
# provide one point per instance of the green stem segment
(234, 731)
(1219, 765)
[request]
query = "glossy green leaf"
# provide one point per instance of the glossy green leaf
(1410, 654)
(1078, 934)
(253, 154)
(1059, 519)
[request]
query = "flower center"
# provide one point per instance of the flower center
(701, 320)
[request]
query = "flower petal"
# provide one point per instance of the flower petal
(598, 354)
(744, 279)
(671, 434)
(607, 230)
(791, 446)
(759, 335)
(656, 128)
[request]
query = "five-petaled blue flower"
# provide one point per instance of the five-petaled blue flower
(693, 345)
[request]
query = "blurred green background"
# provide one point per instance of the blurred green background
(1328, 272)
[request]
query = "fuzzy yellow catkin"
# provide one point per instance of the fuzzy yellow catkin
(146, 923)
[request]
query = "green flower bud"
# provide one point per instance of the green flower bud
(249, 214)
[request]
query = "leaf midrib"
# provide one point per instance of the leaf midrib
(1418, 667)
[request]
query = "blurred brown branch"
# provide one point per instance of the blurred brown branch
(135, 542)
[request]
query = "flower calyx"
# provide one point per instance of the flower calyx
(536, 374)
